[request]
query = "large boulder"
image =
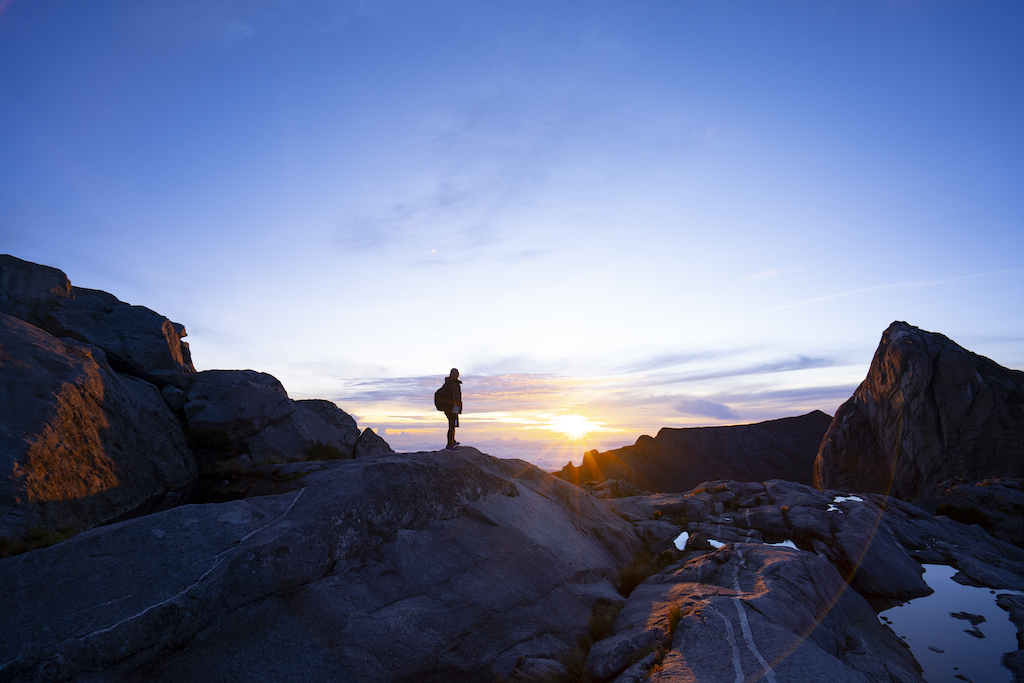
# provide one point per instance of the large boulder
(679, 459)
(370, 444)
(80, 444)
(927, 411)
(136, 340)
(423, 567)
(748, 611)
(25, 287)
(254, 410)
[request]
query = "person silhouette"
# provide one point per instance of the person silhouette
(453, 386)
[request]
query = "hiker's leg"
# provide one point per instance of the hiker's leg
(452, 421)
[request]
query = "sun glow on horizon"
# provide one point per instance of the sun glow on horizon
(574, 427)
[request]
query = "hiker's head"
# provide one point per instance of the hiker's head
(455, 373)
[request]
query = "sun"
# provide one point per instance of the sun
(573, 426)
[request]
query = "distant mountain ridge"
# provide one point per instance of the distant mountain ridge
(678, 459)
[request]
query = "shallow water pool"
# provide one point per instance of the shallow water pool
(946, 646)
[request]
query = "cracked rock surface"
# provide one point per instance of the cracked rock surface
(927, 411)
(136, 340)
(80, 444)
(850, 550)
(749, 610)
(425, 567)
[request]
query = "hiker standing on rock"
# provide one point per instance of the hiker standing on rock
(449, 399)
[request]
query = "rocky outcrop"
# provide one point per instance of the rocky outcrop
(370, 444)
(136, 340)
(679, 459)
(843, 529)
(425, 567)
(79, 443)
(254, 410)
(749, 611)
(997, 505)
(928, 411)
(673, 625)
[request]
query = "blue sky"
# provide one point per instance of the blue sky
(643, 213)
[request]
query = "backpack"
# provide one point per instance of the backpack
(443, 399)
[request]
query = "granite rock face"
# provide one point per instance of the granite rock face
(370, 444)
(997, 505)
(423, 567)
(928, 411)
(80, 444)
(747, 611)
(25, 287)
(136, 340)
(871, 544)
(680, 459)
(254, 410)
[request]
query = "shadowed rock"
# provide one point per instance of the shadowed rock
(26, 286)
(679, 459)
(136, 340)
(425, 567)
(254, 410)
(997, 505)
(927, 411)
(79, 443)
(370, 444)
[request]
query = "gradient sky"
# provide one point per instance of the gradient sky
(646, 214)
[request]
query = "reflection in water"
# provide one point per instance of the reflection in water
(948, 646)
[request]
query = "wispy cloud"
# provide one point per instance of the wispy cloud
(800, 362)
(703, 408)
(662, 361)
(242, 21)
(449, 224)
(506, 174)
(484, 394)
(897, 285)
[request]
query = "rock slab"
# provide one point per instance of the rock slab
(421, 567)
(136, 340)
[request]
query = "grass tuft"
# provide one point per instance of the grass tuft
(964, 515)
(318, 450)
(575, 660)
(675, 614)
(208, 441)
(643, 565)
(37, 537)
(602, 619)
